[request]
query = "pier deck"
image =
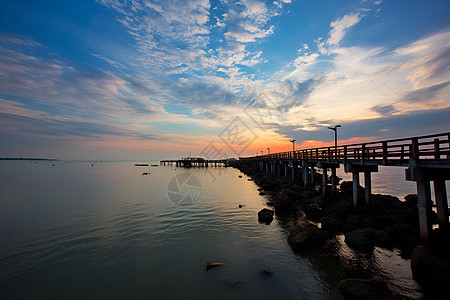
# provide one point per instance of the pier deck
(427, 158)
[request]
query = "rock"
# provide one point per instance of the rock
(282, 201)
(269, 203)
(240, 176)
(241, 206)
(319, 200)
(353, 222)
(331, 224)
(306, 194)
(265, 215)
(250, 179)
(260, 189)
(313, 211)
(399, 230)
(262, 193)
(411, 198)
(343, 208)
(347, 187)
(366, 289)
(267, 272)
(304, 234)
(360, 239)
(382, 238)
(431, 272)
(424, 264)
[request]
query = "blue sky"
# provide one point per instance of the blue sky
(137, 79)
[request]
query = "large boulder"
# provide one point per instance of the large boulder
(431, 272)
(360, 239)
(343, 208)
(367, 289)
(265, 215)
(331, 224)
(424, 264)
(313, 211)
(282, 201)
(303, 234)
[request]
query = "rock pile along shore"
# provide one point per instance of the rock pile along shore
(388, 222)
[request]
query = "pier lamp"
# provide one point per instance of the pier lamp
(261, 152)
(293, 145)
(268, 150)
(335, 133)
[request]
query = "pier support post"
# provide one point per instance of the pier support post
(267, 166)
(355, 190)
(305, 172)
(325, 166)
(424, 206)
(367, 187)
(357, 168)
(324, 182)
(293, 166)
(441, 204)
(333, 180)
(285, 170)
(313, 183)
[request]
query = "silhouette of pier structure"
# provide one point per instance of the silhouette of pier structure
(426, 158)
(195, 162)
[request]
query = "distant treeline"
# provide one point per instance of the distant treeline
(25, 158)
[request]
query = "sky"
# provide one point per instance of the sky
(141, 79)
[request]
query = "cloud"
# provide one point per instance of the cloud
(340, 27)
(427, 93)
(384, 110)
(68, 128)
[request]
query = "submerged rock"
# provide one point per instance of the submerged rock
(304, 234)
(360, 239)
(265, 215)
(267, 272)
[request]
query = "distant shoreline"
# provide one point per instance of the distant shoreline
(26, 158)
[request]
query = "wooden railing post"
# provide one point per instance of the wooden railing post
(437, 154)
(414, 149)
(448, 142)
(385, 153)
(363, 150)
(345, 152)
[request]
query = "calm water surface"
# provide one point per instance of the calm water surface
(105, 231)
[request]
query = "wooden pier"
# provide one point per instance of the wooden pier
(195, 162)
(426, 159)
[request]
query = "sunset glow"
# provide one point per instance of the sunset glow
(112, 79)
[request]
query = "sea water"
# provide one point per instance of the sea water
(104, 230)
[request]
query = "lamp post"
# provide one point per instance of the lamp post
(293, 145)
(335, 133)
(268, 150)
(261, 152)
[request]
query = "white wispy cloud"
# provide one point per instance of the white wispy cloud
(340, 26)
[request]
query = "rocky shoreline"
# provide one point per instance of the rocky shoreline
(314, 221)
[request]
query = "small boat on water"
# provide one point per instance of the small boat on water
(155, 165)
(141, 165)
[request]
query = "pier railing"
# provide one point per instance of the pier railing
(435, 146)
